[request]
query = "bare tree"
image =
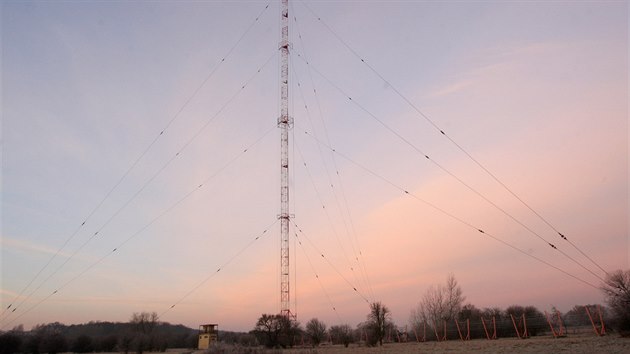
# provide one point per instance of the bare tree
(432, 305)
(577, 315)
(454, 297)
(277, 331)
(378, 321)
(144, 322)
(341, 334)
(616, 288)
(316, 331)
(469, 312)
(439, 303)
(490, 312)
(267, 329)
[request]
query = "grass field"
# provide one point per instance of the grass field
(575, 344)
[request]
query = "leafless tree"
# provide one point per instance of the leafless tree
(454, 298)
(267, 329)
(144, 322)
(439, 303)
(277, 331)
(616, 288)
(378, 322)
(490, 312)
(316, 331)
(577, 315)
(341, 334)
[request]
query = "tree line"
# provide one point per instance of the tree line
(143, 332)
(441, 314)
(277, 331)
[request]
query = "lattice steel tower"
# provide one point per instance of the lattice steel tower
(284, 123)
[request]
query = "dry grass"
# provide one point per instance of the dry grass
(583, 344)
(572, 344)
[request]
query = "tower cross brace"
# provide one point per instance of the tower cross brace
(284, 123)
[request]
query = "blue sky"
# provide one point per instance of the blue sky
(535, 91)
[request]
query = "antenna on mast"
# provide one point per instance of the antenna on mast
(284, 123)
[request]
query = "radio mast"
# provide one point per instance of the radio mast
(284, 123)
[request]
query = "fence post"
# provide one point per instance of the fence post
(445, 331)
(563, 330)
(601, 320)
(515, 328)
(424, 331)
(518, 333)
(485, 329)
(599, 331)
(553, 330)
(437, 336)
(494, 327)
(467, 328)
(458, 330)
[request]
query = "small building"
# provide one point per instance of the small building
(208, 333)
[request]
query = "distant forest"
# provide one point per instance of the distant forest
(441, 314)
(98, 337)
(144, 333)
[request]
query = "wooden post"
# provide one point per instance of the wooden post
(562, 328)
(437, 335)
(524, 335)
(458, 330)
(424, 331)
(467, 328)
(515, 328)
(553, 331)
(494, 326)
(485, 329)
(445, 330)
(601, 320)
(599, 331)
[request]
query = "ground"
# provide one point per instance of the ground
(576, 344)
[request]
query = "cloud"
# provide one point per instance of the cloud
(8, 293)
(451, 88)
(22, 245)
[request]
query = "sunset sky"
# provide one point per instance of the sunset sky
(537, 92)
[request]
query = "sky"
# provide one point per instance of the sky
(150, 128)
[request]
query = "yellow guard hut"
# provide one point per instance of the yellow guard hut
(208, 333)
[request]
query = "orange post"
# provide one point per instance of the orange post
(494, 326)
(444, 330)
(437, 336)
(561, 331)
(460, 332)
(599, 330)
(601, 320)
(553, 330)
(522, 320)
